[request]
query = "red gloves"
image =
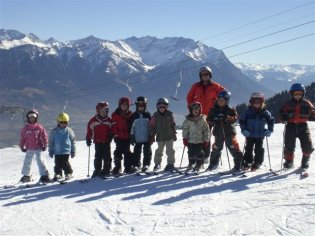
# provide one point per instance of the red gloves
(185, 142)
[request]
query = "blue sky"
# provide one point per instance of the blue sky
(218, 24)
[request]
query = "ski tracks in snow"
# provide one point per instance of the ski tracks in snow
(112, 219)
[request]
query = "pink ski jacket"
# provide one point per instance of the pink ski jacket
(33, 137)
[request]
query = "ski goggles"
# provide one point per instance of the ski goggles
(160, 106)
(195, 107)
(256, 100)
(140, 104)
(63, 122)
(297, 93)
(205, 74)
(32, 115)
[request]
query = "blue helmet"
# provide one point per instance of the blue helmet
(297, 87)
(225, 94)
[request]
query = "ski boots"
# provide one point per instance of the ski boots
(44, 179)
(156, 167)
(288, 164)
(26, 179)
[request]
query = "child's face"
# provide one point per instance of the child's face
(297, 95)
(124, 106)
(257, 103)
(140, 108)
(196, 111)
(62, 124)
(221, 102)
(162, 107)
(103, 112)
(32, 119)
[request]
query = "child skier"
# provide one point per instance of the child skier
(162, 125)
(223, 117)
(121, 129)
(33, 141)
(140, 135)
(196, 135)
(61, 144)
(99, 129)
(295, 113)
(253, 122)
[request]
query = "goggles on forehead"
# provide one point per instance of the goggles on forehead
(195, 107)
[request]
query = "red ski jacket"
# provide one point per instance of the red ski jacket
(120, 121)
(99, 129)
(297, 112)
(205, 94)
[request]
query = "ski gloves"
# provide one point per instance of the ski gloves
(185, 142)
(267, 133)
(88, 142)
(245, 133)
(204, 144)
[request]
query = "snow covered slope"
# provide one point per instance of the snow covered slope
(167, 204)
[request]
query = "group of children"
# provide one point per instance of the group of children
(140, 130)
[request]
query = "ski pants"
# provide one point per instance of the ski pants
(28, 161)
(259, 151)
(233, 147)
(147, 154)
(170, 152)
(195, 154)
(62, 163)
(102, 155)
(123, 149)
(292, 132)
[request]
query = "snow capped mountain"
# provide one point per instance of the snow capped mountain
(278, 77)
(84, 71)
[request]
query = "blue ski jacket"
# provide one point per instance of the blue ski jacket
(255, 121)
(61, 141)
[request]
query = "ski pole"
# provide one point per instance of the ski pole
(180, 166)
(226, 149)
(268, 154)
(88, 175)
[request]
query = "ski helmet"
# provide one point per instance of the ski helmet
(63, 117)
(194, 105)
(205, 69)
(141, 101)
(257, 96)
(297, 87)
(162, 101)
(32, 113)
(124, 100)
(225, 94)
(101, 105)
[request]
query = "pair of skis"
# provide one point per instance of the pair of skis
(301, 171)
(158, 172)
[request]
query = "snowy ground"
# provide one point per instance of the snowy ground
(161, 205)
